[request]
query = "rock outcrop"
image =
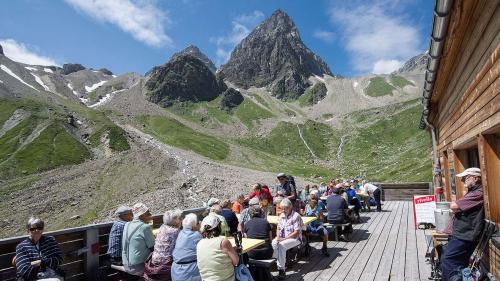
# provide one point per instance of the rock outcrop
(183, 78)
(195, 52)
(230, 99)
(71, 67)
(273, 55)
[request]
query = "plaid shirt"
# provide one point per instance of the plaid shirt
(48, 252)
(472, 199)
(115, 239)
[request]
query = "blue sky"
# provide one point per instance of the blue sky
(353, 37)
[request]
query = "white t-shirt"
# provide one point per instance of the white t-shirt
(370, 187)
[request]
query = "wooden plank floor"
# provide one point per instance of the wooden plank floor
(385, 246)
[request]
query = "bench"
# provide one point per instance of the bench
(335, 228)
(261, 269)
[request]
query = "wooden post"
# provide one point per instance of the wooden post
(92, 254)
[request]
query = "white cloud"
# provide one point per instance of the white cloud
(386, 66)
(326, 36)
(21, 53)
(140, 18)
(242, 25)
(375, 34)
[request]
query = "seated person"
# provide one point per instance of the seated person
(38, 256)
(215, 209)
(245, 215)
(229, 216)
(288, 234)
(161, 261)
(353, 199)
(185, 267)
(304, 193)
(239, 204)
(277, 200)
(258, 228)
(267, 209)
(216, 256)
(337, 207)
(316, 227)
(138, 240)
(259, 190)
(124, 214)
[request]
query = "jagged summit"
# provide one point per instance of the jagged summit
(274, 55)
(417, 63)
(195, 51)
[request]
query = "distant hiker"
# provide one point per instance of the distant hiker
(124, 215)
(337, 207)
(375, 190)
(288, 234)
(138, 240)
(185, 267)
(38, 256)
(216, 256)
(159, 264)
(466, 226)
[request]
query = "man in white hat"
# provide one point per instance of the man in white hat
(138, 240)
(466, 225)
(216, 210)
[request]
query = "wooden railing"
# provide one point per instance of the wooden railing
(84, 249)
(404, 191)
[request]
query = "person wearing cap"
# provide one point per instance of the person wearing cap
(138, 240)
(124, 215)
(245, 214)
(337, 207)
(216, 209)
(287, 187)
(185, 267)
(216, 256)
(466, 225)
(38, 256)
(288, 235)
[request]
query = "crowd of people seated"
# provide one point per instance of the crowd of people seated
(185, 249)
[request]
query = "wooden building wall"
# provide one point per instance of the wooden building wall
(465, 105)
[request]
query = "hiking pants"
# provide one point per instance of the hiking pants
(456, 256)
(281, 248)
(376, 195)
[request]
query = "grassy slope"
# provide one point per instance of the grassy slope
(248, 112)
(379, 87)
(390, 148)
(399, 81)
(172, 132)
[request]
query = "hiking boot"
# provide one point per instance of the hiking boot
(281, 274)
(344, 238)
(324, 251)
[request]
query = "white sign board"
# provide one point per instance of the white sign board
(423, 209)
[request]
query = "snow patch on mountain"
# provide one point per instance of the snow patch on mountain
(48, 70)
(31, 68)
(95, 86)
(71, 88)
(39, 81)
(8, 71)
(106, 98)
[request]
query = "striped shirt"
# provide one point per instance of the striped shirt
(115, 239)
(47, 251)
(472, 199)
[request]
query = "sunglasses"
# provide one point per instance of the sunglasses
(36, 228)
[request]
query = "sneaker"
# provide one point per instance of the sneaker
(344, 238)
(324, 251)
(281, 274)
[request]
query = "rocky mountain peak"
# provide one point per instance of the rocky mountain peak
(273, 55)
(416, 63)
(71, 67)
(183, 78)
(195, 51)
(1, 50)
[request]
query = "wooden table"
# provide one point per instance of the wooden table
(248, 244)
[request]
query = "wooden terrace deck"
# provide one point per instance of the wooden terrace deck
(385, 246)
